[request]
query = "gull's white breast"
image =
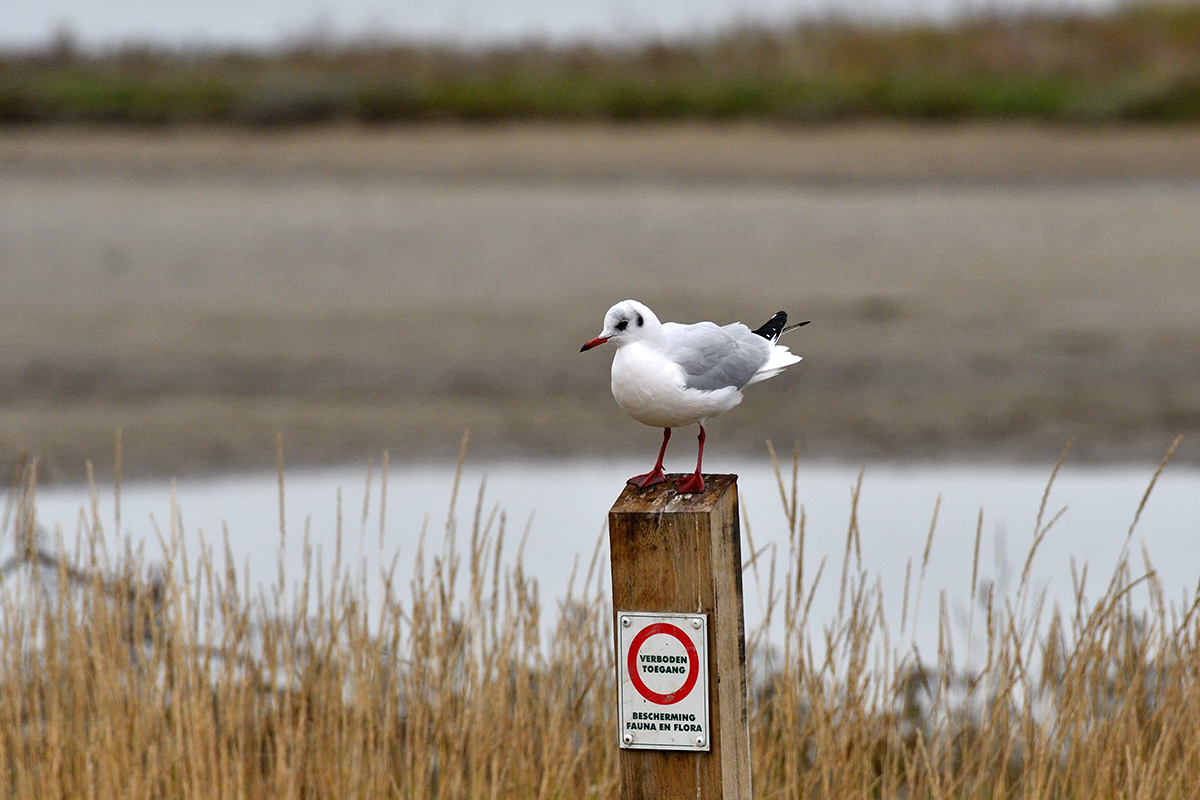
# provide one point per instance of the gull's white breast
(651, 389)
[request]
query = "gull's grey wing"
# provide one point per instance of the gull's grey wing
(715, 357)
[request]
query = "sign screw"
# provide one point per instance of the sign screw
(627, 738)
(699, 741)
(696, 624)
(626, 622)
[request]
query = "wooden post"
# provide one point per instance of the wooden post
(681, 553)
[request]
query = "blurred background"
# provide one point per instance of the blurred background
(370, 226)
(365, 226)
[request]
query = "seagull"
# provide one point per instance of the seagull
(667, 374)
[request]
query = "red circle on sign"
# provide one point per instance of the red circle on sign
(693, 664)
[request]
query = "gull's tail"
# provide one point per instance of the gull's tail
(781, 358)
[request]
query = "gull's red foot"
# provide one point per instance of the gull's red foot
(692, 484)
(651, 478)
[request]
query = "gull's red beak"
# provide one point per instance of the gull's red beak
(597, 341)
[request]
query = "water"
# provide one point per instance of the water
(105, 23)
(563, 505)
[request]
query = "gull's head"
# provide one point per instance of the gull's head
(627, 321)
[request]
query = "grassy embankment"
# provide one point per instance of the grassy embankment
(122, 679)
(1139, 63)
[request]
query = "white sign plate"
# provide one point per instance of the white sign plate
(662, 667)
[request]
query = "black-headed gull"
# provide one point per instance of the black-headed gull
(666, 375)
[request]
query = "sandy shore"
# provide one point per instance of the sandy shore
(977, 291)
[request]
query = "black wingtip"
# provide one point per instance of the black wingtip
(773, 328)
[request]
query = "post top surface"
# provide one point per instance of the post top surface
(664, 498)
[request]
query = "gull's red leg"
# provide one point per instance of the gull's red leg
(654, 476)
(694, 483)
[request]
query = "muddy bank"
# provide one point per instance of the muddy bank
(977, 292)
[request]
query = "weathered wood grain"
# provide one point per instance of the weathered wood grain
(676, 553)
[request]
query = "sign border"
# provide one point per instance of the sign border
(698, 662)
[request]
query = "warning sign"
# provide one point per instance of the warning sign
(662, 663)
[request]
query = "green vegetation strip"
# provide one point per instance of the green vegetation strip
(1140, 63)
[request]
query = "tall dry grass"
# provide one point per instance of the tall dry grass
(122, 677)
(119, 678)
(1097, 701)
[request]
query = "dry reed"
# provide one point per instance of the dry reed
(122, 678)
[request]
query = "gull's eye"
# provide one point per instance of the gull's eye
(623, 324)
